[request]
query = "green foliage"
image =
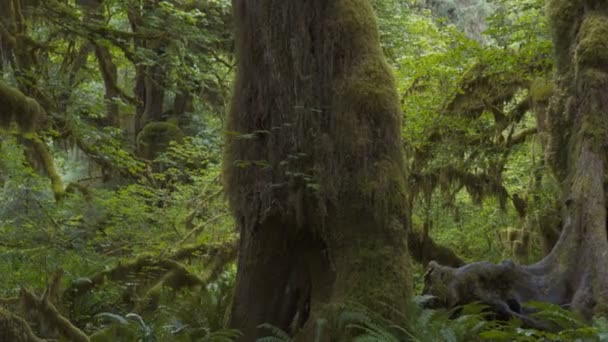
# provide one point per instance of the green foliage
(465, 96)
(472, 322)
(465, 101)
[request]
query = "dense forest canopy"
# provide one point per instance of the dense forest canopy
(320, 170)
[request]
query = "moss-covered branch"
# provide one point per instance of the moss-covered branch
(47, 313)
(15, 329)
(480, 88)
(521, 137)
(479, 186)
(46, 159)
(153, 267)
(20, 109)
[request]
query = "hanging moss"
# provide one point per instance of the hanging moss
(18, 108)
(481, 89)
(155, 138)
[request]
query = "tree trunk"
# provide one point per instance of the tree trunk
(149, 87)
(313, 166)
(575, 272)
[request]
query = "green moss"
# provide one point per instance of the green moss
(355, 23)
(16, 107)
(15, 329)
(563, 18)
(592, 49)
(562, 14)
(45, 157)
(541, 89)
(30, 116)
(331, 111)
(155, 138)
(479, 88)
(367, 99)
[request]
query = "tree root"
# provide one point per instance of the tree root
(14, 328)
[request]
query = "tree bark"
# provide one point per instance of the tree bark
(575, 272)
(313, 166)
(149, 87)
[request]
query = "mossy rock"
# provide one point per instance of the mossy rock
(155, 137)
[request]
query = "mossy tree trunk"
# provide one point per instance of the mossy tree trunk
(574, 273)
(314, 168)
(577, 149)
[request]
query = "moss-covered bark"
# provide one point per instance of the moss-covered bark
(44, 157)
(313, 165)
(19, 108)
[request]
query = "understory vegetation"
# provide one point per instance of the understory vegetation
(115, 224)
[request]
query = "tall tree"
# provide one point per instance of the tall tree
(314, 168)
(574, 273)
(577, 149)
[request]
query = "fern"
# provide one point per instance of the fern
(278, 335)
